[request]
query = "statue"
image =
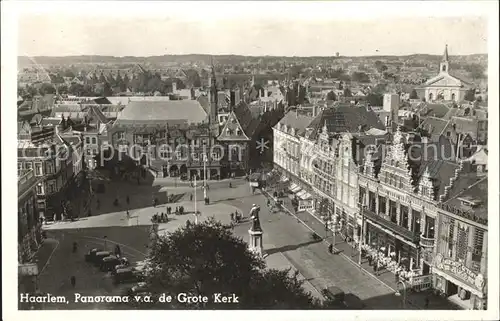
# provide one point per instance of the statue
(254, 215)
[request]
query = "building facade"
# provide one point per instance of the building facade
(444, 86)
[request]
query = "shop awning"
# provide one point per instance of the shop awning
(294, 188)
(301, 194)
(307, 196)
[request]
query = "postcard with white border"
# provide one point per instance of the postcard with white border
(288, 160)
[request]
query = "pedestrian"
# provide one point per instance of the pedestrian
(426, 302)
(128, 215)
(232, 217)
(191, 197)
(98, 204)
(128, 200)
(396, 277)
(118, 251)
(330, 248)
(177, 210)
(73, 281)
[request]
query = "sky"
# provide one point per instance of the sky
(283, 29)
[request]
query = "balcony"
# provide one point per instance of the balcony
(393, 227)
(427, 242)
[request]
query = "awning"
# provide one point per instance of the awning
(301, 194)
(306, 196)
(294, 188)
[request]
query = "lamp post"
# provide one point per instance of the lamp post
(195, 209)
(362, 208)
(401, 286)
(205, 178)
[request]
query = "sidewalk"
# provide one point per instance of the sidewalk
(415, 300)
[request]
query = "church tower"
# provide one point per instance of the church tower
(444, 66)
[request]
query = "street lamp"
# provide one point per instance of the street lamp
(195, 209)
(401, 287)
(205, 197)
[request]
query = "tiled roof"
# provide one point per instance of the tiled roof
(297, 121)
(435, 110)
(346, 118)
(434, 126)
(152, 112)
(231, 129)
(249, 123)
(474, 189)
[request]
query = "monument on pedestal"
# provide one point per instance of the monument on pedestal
(255, 232)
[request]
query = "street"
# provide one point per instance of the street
(283, 234)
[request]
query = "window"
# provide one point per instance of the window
(19, 166)
(49, 167)
(381, 205)
(194, 156)
(477, 251)
(51, 188)
(462, 243)
(87, 140)
(39, 189)
(451, 234)
(120, 135)
(94, 140)
(89, 152)
(239, 132)
(38, 169)
(28, 165)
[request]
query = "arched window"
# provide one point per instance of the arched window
(444, 68)
(453, 96)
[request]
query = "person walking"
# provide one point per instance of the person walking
(128, 200)
(73, 281)
(191, 197)
(330, 248)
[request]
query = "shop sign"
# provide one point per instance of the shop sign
(460, 270)
(419, 280)
(254, 184)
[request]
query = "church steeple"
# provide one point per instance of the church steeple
(444, 65)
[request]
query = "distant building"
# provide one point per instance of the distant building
(445, 86)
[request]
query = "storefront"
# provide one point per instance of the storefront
(395, 251)
(306, 201)
(462, 285)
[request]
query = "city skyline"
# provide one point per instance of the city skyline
(248, 34)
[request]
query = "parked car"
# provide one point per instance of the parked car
(334, 293)
(99, 257)
(127, 275)
(109, 263)
(90, 255)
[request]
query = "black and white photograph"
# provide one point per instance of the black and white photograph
(329, 158)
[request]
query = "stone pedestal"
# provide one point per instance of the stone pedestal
(255, 242)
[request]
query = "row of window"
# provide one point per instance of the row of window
(38, 167)
(89, 139)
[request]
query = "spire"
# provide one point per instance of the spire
(445, 55)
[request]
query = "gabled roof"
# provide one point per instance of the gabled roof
(249, 123)
(231, 129)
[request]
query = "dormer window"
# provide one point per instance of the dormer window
(239, 132)
(229, 131)
(470, 202)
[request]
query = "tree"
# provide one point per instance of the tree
(47, 88)
(331, 96)
(413, 94)
(375, 99)
(470, 95)
(347, 92)
(476, 71)
(107, 91)
(206, 258)
(360, 77)
(69, 73)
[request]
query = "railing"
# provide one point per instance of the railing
(427, 242)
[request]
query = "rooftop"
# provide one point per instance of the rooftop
(154, 112)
